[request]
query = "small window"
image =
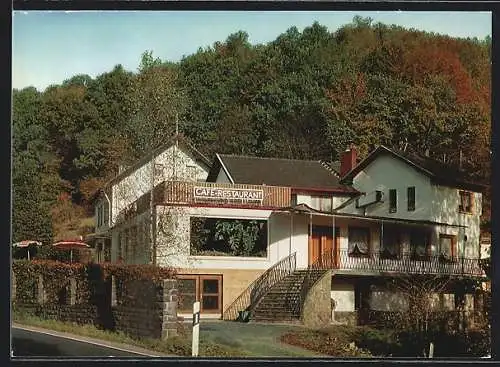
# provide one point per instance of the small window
(411, 198)
(466, 202)
(191, 173)
(99, 220)
(106, 215)
(119, 254)
(294, 199)
(393, 201)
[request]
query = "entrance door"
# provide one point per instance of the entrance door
(322, 248)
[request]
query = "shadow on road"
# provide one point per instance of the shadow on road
(25, 347)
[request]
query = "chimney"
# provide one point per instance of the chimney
(348, 160)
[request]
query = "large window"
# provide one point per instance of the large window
(411, 198)
(420, 244)
(207, 289)
(228, 237)
(359, 241)
(393, 201)
(390, 243)
(466, 202)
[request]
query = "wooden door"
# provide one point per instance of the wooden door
(314, 248)
(322, 246)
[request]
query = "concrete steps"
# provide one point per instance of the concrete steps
(282, 302)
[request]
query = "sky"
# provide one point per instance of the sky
(52, 46)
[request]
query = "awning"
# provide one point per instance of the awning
(305, 209)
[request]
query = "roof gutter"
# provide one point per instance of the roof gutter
(329, 190)
(371, 219)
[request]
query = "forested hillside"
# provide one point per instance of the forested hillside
(304, 95)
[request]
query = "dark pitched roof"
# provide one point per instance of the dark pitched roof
(183, 143)
(439, 172)
(299, 174)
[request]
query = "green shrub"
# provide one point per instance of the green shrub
(472, 343)
(379, 342)
(338, 341)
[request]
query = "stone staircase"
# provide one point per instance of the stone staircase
(282, 303)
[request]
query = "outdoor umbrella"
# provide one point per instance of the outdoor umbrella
(70, 245)
(26, 244)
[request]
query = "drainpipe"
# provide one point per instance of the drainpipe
(291, 234)
(335, 250)
(310, 235)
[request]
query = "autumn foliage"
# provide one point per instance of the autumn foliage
(305, 95)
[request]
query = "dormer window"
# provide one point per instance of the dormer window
(466, 202)
(323, 203)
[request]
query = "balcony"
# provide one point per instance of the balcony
(222, 194)
(384, 264)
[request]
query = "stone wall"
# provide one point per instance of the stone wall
(316, 311)
(141, 309)
(346, 317)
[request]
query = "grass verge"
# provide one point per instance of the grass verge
(175, 346)
(342, 341)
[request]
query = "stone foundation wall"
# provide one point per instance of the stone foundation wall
(347, 317)
(316, 311)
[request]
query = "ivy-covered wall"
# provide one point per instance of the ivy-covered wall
(139, 300)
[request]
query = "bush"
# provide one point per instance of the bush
(473, 343)
(336, 341)
(379, 342)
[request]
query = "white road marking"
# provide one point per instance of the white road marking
(84, 341)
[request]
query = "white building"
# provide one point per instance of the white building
(390, 214)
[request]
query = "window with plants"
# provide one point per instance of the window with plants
(228, 237)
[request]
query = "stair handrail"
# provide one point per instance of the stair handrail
(260, 286)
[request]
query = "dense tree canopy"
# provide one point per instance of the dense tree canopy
(304, 95)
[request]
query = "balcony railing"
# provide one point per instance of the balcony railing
(184, 192)
(377, 263)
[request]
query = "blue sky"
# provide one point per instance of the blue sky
(49, 46)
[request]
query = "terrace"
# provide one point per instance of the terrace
(382, 263)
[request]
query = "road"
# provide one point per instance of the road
(28, 342)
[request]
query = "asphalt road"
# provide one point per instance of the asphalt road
(38, 344)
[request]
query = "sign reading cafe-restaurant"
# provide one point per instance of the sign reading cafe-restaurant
(227, 194)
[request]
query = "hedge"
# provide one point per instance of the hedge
(89, 278)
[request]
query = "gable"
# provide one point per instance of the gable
(438, 172)
(182, 145)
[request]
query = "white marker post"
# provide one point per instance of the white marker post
(196, 329)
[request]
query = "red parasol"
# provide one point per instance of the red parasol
(70, 245)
